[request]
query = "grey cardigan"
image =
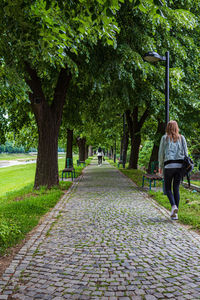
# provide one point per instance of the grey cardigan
(170, 150)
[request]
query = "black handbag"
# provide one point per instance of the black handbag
(188, 165)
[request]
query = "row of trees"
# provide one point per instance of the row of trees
(10, 148)
(75, 67)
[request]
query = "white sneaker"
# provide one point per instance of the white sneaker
(174, 211)
(175, 218)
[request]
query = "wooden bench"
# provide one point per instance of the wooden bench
(153, 177)
(79, 162)
(69, 170)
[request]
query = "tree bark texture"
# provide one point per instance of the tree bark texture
(125, 146)
(121, 148)
(111, 152)
(135, 125)
(90, 151)
(69, 152)
(86, 151)
(47, 159)
(159, 133)
(135, 148)
(48, 118)
(81, 145)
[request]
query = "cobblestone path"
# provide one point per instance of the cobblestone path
(106, 240)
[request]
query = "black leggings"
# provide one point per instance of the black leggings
(175, 176)
(99, 160)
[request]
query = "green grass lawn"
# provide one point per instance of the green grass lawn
(21, 156)
(189, 209)
(6, 156)
(16, 177)
(21, 207)
(195, 182)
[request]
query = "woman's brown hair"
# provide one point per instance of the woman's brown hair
(172, 131)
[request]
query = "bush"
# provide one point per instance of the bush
(9, 147)
(145, 154)
(9, 234)
(21, 210)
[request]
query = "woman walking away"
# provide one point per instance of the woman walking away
(171, 155)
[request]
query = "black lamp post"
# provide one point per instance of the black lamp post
(154, 57)
(123, 150)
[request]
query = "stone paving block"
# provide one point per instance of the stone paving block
(168, 295)
(149, 297)
(119, 294)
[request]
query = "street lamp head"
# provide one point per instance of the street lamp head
(152, 56)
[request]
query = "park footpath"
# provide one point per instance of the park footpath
(106, 239)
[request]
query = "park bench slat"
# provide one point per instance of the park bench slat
(152, 177)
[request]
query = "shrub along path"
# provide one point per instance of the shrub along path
(106, 240)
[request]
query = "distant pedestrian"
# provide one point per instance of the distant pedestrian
(171, 155)
(100, 155)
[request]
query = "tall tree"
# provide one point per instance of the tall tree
(39, 40)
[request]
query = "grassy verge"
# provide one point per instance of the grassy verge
(21, 207)
(19, 156)
(16, 177)
(195, 182)
(189, 209)
(21, 210)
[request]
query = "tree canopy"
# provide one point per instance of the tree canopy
(86, 57)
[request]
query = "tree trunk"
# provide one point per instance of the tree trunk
(81, 145)
(69, 152)
(135, 148)
(159, 133)
(134, 126)
(111, 152)
(121, 148)
(48, 118)
(47, 158)
(86, 151)
(115, 152)
(90, 151)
